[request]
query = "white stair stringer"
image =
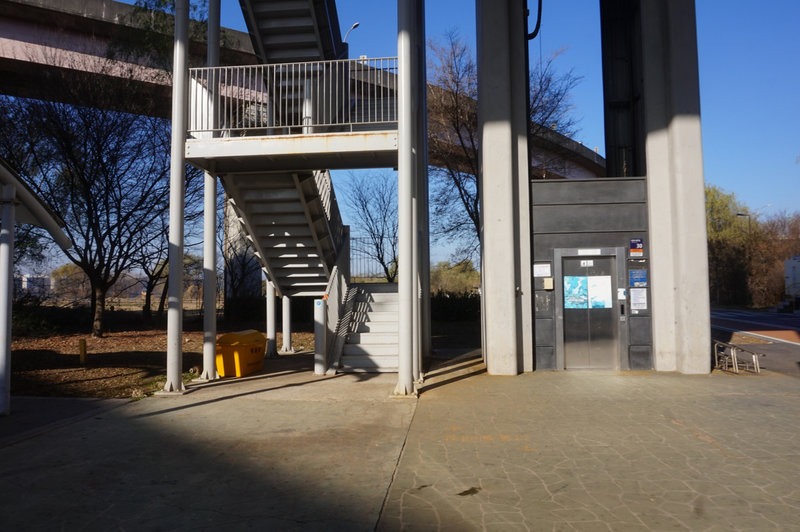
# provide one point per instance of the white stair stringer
(372, 339)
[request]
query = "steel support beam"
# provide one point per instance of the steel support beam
(176, 199)
(272, 349)
(409, 99)
(287, 325)
(6, 293)
(210, 224)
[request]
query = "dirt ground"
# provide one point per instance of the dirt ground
(119, 365)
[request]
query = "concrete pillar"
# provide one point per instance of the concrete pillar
(287, 325)
(271, 336)
(176, 199)
(320, 336)
(505, 250)
(6, 294)
(210, 224)
(409, 99)
(676, 206)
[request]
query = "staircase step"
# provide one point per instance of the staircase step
(372, 338)
(375, 326)
(363, 317)
(376, 306)
(370, 349)
(368, 364)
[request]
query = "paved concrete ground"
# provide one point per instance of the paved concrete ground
(543, 451)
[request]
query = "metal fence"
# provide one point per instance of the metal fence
(294, 98)
(364, 266)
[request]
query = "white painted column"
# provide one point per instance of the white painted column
(504, 173)
(320, 336)
(6, 294)
(176, 199)
(287, 326)
(271, 336)
(423, 227)
(676, 205)
(406, 170)
(210, 221)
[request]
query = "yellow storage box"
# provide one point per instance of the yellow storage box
(240, 353)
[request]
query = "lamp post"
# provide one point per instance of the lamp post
(354, 26)
(749, 219)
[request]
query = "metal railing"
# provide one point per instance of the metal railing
(364, 266)
(730, 357)
(330, 206)
(293, 98)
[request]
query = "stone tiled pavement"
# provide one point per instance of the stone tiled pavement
(602, 451)
(545, 451)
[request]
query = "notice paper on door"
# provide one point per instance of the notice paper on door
(587, 292)
(600, 291)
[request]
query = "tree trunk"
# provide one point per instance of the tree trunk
(162, 301)
(99, 300)
(147, 311)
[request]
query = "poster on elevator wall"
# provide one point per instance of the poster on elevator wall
(576, 291)
(599, 291)
(638, 299)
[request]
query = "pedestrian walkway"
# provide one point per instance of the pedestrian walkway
(287, 450)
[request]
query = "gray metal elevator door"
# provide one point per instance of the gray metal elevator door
(590, 320)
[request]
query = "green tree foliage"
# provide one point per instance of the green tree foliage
(746, 253)
(727, 247)
(459, 278)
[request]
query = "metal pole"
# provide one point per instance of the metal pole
(6, 295)
(210, 221)
(287, 325)
(320, 336)
(176, 199)
(423, 239)
(405, 176)
(271, 347)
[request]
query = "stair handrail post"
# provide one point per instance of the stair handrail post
(320, 336)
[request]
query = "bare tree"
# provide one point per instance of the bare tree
(372, 202)
(102, 171)
(453, 141)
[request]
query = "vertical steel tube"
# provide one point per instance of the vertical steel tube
(405, 191)
(320, 336)
(271, 347)
(176, 199)
(6, 294)
(287, 325)
(422, 191)
(210, 215)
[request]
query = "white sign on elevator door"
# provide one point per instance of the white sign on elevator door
(600, 291)
(587, 263)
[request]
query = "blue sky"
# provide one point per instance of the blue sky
(749, 54)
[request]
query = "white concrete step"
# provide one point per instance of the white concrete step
(372, 338)
(375, 316)
(375, 326)
(379, 306)
(370, 349)
(368, 364)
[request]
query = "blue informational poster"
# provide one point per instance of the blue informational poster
(576, 292)
(637, 278)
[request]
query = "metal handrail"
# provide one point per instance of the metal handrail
(293, 98)
(728, 357)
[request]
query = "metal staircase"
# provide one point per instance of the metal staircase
(294, 224)
(285, 31)
(372, 339)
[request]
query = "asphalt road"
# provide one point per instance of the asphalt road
(780, 331)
